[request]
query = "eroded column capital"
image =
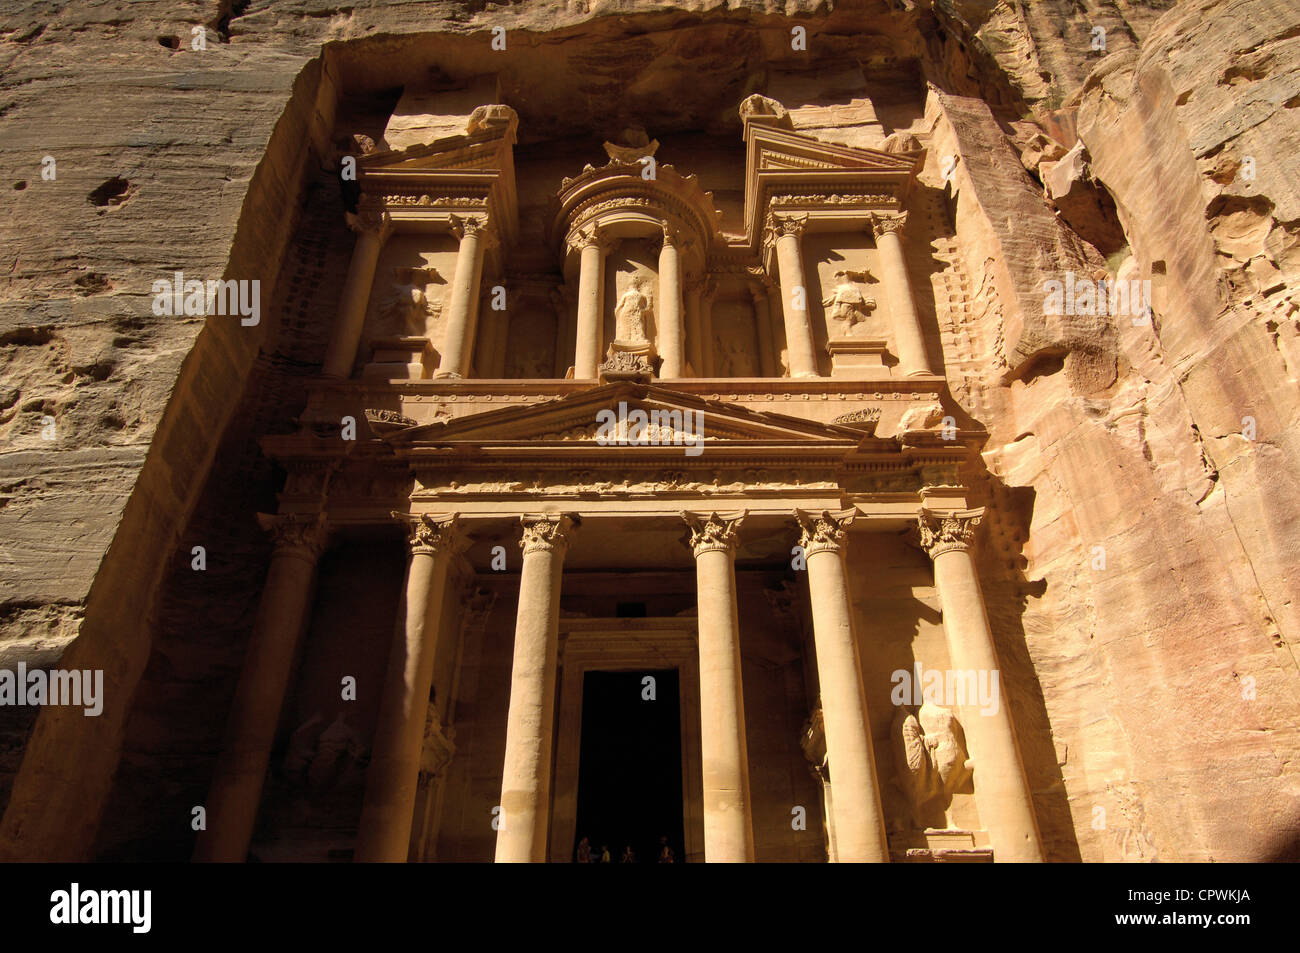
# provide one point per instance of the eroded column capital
(296, 534)
(780, 224)
(433, 535)
(824, 531)
(944, 532)
(547, 533)
(888, 224)
(470, 224)
(371, 221)
(589, 236)
(713, 532)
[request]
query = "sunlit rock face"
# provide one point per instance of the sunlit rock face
(877, 264)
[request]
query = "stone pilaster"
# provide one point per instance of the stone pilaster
(393, 776)
(373, 229)
(908, 335)
(728, 826)
(767, 357)
(282, 615)
(526, 778)
(858, 817)
(1001, 788)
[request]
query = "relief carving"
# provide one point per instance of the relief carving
(930, 756)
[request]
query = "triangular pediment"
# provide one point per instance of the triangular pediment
(780, 149)
(584, 420)
(484, 152)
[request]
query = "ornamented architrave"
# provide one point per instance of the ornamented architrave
(824, 531)
(433, 535)
(944, 532)
(296, 534)
(547, 533)
(713, 532)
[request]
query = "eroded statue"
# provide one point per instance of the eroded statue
(930, 756)
(406, 308)
(631, 313)
(846, 305)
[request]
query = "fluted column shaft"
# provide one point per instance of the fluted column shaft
(786, 230)
(463, 298)
(859, 819)
(372, 231)
(392, 779)
(893, 265)
(526, 778)
(728, 826)
(591, 291)
(672, 334)
(236, 789)
(1002, 792)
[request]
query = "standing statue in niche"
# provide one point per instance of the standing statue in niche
(631, 313)
(846, 305)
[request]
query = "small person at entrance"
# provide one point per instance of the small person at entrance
(666, 855)
(629, 855)
(604, 854)
(584, 851)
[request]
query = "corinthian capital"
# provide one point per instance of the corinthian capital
(587, 236)
(433, 535)
(779, 224)
(463, 225)
(712, 533)
(373, 221)
(942, 532)
(296, 534)
(887, 224)
(549, 533)
(824, 531)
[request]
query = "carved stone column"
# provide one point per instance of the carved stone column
(1001, 790)
(526, 778)
(907, 326)
(591, 295)
(463, 296)
(763, 327)
(728, 827)
(384, 833)
(282, 614)
(786, 231)
(694, 329)
(373, 229)
(707, 293)
(672, 344)
(859, 820)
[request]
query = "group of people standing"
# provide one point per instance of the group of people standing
(585, 855)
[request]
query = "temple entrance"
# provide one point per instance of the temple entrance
(630, 765)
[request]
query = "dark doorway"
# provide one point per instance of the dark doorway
(630, 766)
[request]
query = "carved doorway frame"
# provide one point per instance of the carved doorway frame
(624, 645)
